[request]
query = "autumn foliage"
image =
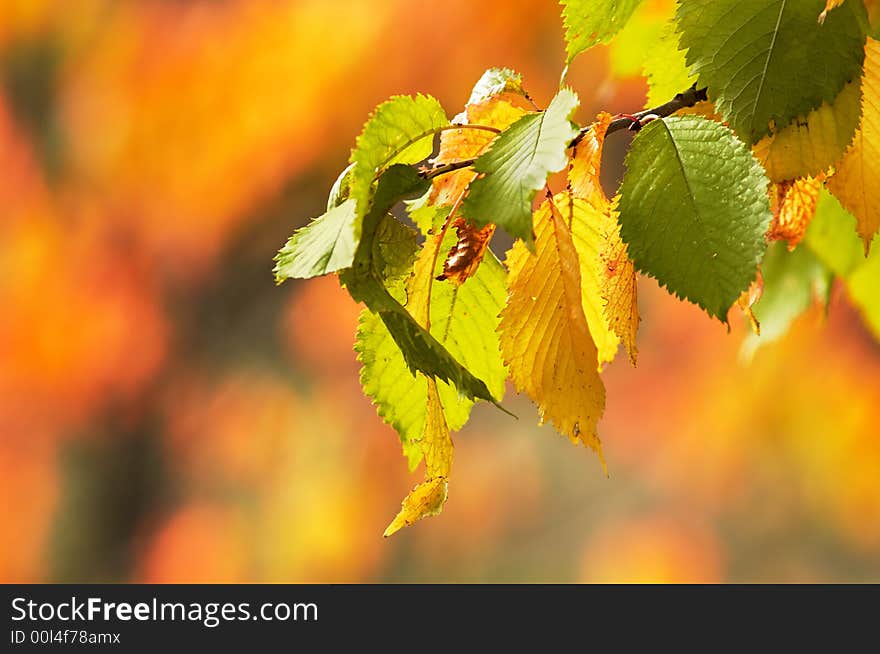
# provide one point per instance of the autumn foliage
(781, 100)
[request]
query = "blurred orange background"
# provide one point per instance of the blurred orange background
(168, 415)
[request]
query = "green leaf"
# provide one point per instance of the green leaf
(365, 282)
(635, 44)
(588, 22)
(517, 165)
(341, 188)
(769, 61)
(464, 319)
(833, 238)
(401, 130)
(694, 209)
(496, 81)
(427, 217)
(666, 69)
(793, 281)
(325, 245)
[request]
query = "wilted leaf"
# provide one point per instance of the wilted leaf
(793, 205)
(465, 257)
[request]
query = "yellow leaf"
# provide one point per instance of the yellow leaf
(618, 286)
(428, 498)
(829, 5)
(545, 339)
(794, 205)
(811, 144)
(586, 164)
(608, 276)
(856, 182)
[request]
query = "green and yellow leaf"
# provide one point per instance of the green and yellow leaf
(811, 144)
(428, 498)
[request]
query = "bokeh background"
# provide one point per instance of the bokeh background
(168, 415)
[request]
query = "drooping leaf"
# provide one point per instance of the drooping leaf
(856, 183)
(694, 210)
(793, 282)
(464, 318)
(400, 130)
(588, 22)
(325, 245)
(769, 61)
(811, 144)
(545, 338)
(428, 498)
(517, 165)
(365, 283)
(793, 205)
(464, 321)
(607, 274)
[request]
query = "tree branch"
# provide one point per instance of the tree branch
(636, 121)
(632, 122)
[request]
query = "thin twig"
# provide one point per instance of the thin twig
(635, 121)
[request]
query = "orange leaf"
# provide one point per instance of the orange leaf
(794, 205)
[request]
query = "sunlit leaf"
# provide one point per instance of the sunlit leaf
(588, 22)
(517, 165)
